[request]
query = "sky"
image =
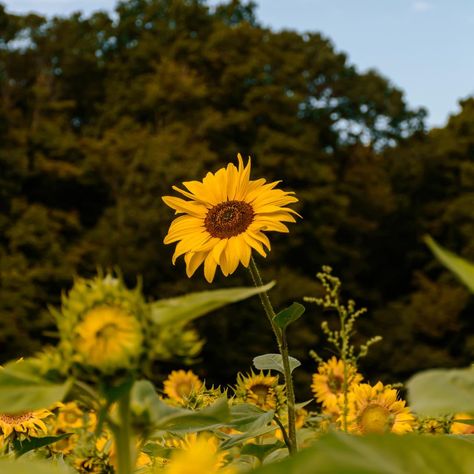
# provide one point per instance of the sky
(424, 47)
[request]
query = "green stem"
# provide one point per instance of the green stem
(283, 348)
(123, 436)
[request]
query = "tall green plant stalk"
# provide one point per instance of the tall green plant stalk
(123, 436)
(283, 348)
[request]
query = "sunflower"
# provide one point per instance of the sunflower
(198, 454)
(180, 385)
(431, 426)
(462, 428)
(261, 390)
(23, 425)
(108, 338)
(376, 409)
(328, 383)
(225, 218)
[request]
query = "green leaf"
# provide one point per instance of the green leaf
(274, 362)
(34, 466)
(463, 269)
(166, 418)
(289, 315)
(260, 451)
(193, 305)
(442, 391)
(338, 453)
(113, 392)
(21, 390)
(26, 445)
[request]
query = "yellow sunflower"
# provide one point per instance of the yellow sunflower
(198, 454)
(23, 425)
(462, 428)
(261, 390)
(108, 338)
(376, 409)
(328, 383)
(225, 218)
(180, 385)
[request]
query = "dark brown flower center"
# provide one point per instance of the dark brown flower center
(229, 218)
(16, 418)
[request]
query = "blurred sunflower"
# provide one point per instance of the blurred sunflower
(198, 454)
(376, 409)
(328, 383)
(462, 428)
(180, 384)
(225, 219)
(108, 337)
(22, 425)
(261, 390)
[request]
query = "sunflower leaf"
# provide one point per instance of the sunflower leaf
(274, 362)
(442, 391)
(289, 315)
(463, 269)
(22, 390)
(193, 305)
(26, 445)
(37, 466)
(389, 453)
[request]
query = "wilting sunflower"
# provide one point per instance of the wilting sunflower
(261, 390)
(462, 428)
(328, 383)
(180, 385)
(376, 409)
(198, 454)
(23, 425)
(225, 218)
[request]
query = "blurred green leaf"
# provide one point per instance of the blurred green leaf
(442, 391)
(338, 453)
(21, 390)
(260, 451)
(34, 466)
(274, 362)
(166, 418)
(289, 315)
(193, 305)
(463, 269)
(26, 445)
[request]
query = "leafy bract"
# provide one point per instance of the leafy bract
(274, 362)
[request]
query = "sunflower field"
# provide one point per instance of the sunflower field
(87, 404)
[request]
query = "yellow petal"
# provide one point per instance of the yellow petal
(193, 262)
(210, 266)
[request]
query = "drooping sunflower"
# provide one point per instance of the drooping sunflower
(376, 409)
(180, 385)
(225, 218)
(261, 390)
(328, 383)
(103, 325)
(23, 425)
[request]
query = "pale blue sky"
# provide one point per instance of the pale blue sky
(424, 47)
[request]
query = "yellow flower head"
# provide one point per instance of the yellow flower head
(198, 455)
(431, 426)
(462, 428)
(108, 338)
(261, 390)
(23, 425)
(69, 417)
(328, 383)
(225, 218)
(103, 324)
(180, 385)
(376, 409)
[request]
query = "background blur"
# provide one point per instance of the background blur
(100, 114)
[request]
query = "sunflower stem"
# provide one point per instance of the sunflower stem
(123, 436)
(283, 348)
